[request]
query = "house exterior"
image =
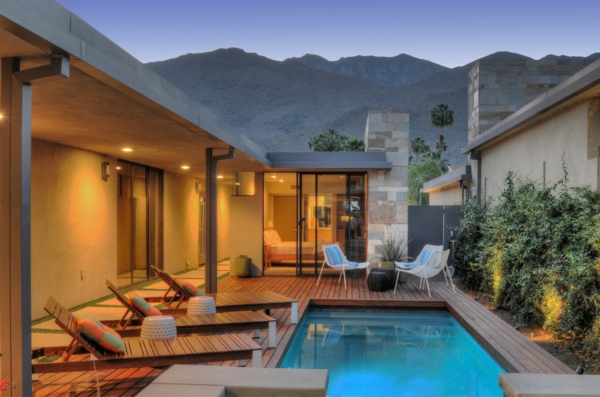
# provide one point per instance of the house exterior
(527, 117)
(107, 169)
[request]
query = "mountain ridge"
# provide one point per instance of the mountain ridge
(280, 104)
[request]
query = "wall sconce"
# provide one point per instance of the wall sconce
(105, 170)
(198, 186)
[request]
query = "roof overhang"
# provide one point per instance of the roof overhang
(450, 180)
(112, 100)
(575, 85)
(339, 161)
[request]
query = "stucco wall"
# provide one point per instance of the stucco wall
(73, 225)
(223, 214)
(181, 211)
(524, 152)
(448, 196)
(246, 227)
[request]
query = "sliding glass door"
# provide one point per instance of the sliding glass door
(331, 208)
(139, 223)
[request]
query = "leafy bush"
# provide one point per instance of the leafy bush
(418, 174)
(537, 252)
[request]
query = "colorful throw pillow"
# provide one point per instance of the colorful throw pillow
(144, 307)
(99, 333)
(188, 287)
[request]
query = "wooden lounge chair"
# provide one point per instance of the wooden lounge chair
(191, 324)
(225, 301)
(141, 352)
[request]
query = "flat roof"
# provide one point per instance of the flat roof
(580, 82)
(329, 160)
(460, 174)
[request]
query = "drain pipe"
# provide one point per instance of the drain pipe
(210, 237)
(477, 157)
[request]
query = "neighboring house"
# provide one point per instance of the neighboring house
(526, 116)
(106, 169)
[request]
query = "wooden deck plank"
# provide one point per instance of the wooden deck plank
(494, 333)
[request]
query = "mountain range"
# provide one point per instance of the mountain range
(281, 104)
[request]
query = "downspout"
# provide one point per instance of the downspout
(477, 157)
(210, 238)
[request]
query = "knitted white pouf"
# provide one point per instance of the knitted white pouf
(201, 305)
(159, 327)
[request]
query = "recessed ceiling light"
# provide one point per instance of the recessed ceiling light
(118, 167)
(185, 167)
(127, 149)
(238, 184)
(274, 177)
(281, 180)
(220, 176)
(1, 116)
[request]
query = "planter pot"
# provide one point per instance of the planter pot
(243, 266)
(379, 283)
(387, 265)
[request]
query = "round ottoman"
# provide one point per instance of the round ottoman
(377, 282)
(159, 327)
(201, 305)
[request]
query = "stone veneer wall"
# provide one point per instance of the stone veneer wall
(388, 189)
(498, 88)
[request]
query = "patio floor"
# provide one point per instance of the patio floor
(510, 348)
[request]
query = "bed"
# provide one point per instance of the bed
(285, 251)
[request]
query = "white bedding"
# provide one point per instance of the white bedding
(289, 247)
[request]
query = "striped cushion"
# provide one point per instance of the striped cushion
(334, 253)
(99, 333)
(425, 257)
(188, 287)
(144, 307)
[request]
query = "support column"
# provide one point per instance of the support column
(15, 233)
(210, 239)
(15, 216)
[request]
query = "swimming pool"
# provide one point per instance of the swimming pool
(403, 353)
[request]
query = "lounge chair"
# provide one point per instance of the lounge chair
(428, 264)
(335, 258)
(191, 324)
(141, 352)
(225, 301)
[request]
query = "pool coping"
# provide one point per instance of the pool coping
(493, 347)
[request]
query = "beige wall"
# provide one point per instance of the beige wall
(448, 196)
(73, 225)
(246, 227)
(524, 152)
(181, 216)
(223, 215)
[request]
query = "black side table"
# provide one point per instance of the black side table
(381, 275)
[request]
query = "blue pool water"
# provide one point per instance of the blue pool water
(393, 354)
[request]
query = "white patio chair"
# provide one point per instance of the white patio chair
(335, 258)
(433, 263)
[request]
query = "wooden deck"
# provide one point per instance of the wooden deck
(514, 351)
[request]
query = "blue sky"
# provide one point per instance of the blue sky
(448, 32)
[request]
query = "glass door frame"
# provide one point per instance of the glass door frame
(301, 218)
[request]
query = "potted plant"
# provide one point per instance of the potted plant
(393, 249)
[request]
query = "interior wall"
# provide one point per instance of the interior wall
(562, 132)
(246, 227)
(275, 189)
(73, 225)
(181, 216)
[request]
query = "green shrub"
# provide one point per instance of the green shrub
(537, 253)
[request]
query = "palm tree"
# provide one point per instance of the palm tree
(418, 145)
(442, 116)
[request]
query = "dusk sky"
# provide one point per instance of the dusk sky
(451, 33)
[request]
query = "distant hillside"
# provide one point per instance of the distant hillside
(280, 105)
(394, 71)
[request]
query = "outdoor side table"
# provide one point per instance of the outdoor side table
(201, 305)
(159, 327)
